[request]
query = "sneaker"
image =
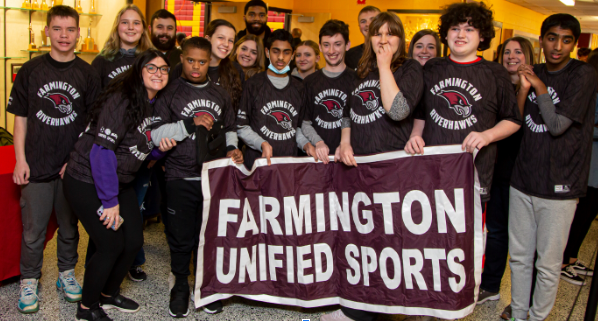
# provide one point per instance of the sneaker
(179, 300)
(67, 283)
(28, 300)
(136, 274)
(94, 313)
(484, 296)
(569, 274)
(213, 308)
(420, 318)
(506, 313)
(582, 269)
(119, 302)
(337, 315)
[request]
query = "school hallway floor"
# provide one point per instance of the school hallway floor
(153, 295)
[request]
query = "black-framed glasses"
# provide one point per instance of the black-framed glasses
(152, 69)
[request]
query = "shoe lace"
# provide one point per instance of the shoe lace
(69, 280)
(27, 290)
(138, 269)
(571, 270)
(580, 264)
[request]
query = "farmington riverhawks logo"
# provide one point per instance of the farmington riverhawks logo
(61, 102)
(369, 99)
(203, 112)
(282, 118)
(150, 143)
(456, 102)
(333, 107)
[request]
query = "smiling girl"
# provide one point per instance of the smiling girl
(248, 54)
(128, 38)
(424, 46)
(307, 56)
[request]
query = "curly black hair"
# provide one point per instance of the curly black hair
(476, 14)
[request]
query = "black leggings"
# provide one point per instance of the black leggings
(115, 249)
(586, 211)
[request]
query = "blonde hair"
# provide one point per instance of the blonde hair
(313, 45)
(112, 45)
(258, 65)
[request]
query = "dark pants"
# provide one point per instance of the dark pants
(185, 204)
(586, 211)
(115, 250)
(141, 184)
(37, 202)
(497, 239)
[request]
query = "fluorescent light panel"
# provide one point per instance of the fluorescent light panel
(569, 3)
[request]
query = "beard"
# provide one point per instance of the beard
(255, 31)
(163, 46)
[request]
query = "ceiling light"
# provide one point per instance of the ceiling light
(569, 3)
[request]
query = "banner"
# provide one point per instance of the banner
(397, 234)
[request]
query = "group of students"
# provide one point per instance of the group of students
(88, 138)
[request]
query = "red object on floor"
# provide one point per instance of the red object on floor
(11, 227)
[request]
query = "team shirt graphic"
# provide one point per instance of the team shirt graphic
(131, 144)
(461, 98)
(272, 113)
(181, 100)
(326, 99)
(110, 69)
(55, 102)
(372, 131)
(557, 167)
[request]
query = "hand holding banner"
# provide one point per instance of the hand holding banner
(397, 234)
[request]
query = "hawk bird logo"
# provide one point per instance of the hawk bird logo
(369, 99)
(456, 102)
(333, 107)
(199, 113)
(60, 101)
(283, 119)
(148, 136)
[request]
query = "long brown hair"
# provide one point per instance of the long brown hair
(230, 79)
(368, 63)
(526, 47)
(258, 65)
(112, 45)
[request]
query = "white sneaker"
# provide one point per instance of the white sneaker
(337, 315)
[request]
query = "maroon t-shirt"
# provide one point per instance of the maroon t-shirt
(325, 100)
(372, 131)
(461, 98)
(131, 143)
(557, 167)
(55, 102)
(181, 100)
(272, 113)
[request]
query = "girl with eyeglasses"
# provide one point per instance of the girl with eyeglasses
(98, 179)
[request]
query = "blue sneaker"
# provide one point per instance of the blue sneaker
(28, 300)
(68, 284)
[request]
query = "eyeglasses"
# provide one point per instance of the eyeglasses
(152, 69)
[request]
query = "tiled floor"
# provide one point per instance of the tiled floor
(153, 293)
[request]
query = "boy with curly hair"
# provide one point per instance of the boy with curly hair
(467, 100)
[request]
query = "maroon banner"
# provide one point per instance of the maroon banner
(396, 234)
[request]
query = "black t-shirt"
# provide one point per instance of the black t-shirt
(173, 56)
(107, 70)
(507, 150)
(372, 131)
(353, 55)
(181, 100)
(325, 100)
(272, 113)
(461, 98)
(55, 102)
(557, 167)
(131, 144)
